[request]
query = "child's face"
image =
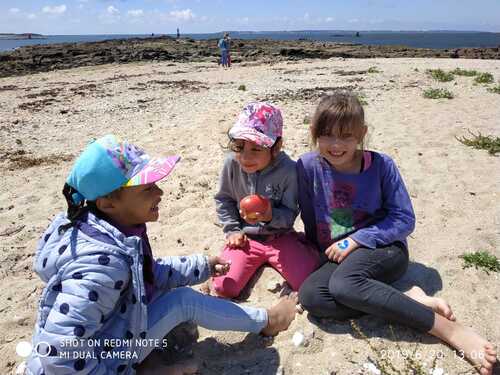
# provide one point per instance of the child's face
(136, 205)
(251, 157)
(340, 149)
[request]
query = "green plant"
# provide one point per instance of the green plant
(362, 99)
(481, 142)
(373, 69)
(495, 89)
(242, 88)
(440, 75)
(484, 78)
(437, 94)
(463, 72)
(481, 259)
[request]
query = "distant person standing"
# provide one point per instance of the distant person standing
(228, 44)
(178, 33)
(224, 50)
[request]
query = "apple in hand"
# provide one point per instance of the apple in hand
(254, 204)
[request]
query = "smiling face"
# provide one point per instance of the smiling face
(133, 205)
(251, 157)
(339, 148)
(337, 128)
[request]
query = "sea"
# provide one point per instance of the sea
(415, 39)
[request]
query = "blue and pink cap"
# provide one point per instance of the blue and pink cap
(259, 122)
(108, 164)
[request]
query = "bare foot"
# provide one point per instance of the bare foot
(281, 315)
(206, 287)
(438, 305)
(477, 350)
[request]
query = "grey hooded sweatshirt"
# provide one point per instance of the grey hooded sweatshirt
(278, 182)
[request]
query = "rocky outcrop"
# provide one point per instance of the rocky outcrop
(42, 58)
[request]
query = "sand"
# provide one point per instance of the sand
(46, 119)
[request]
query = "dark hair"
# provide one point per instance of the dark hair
(230, 143)
(340, 112)
(78, 211)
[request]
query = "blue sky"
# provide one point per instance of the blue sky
(199, 16)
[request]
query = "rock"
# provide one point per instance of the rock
(43, 58)
(298, 339)
(21, 368)
(371, 369)
(437, 371)
(309, 332)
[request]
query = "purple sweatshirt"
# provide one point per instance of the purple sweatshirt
(140, 231)
(372, 207)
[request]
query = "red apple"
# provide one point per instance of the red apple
(253, 204)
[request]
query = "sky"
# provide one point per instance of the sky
(55, 17)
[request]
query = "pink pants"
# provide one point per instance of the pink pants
(289, 254)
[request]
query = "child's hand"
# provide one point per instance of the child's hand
(338, 251)
(257, 217)
(218, 266)
(236, 240)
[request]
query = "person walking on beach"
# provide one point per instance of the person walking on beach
(257, 165)
(108, 303)
(357, 211)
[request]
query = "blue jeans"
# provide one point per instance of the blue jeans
(172, 308)
(224, 57)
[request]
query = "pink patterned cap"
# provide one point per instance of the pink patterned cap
(155, 170)
(259, 122)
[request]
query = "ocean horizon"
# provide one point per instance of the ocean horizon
(444, 39)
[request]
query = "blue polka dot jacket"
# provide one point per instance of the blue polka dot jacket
(93, 310)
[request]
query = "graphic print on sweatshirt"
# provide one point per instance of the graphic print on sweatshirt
(342, 216)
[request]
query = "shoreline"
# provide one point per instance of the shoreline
(43, 58)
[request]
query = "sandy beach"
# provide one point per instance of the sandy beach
(46, 119)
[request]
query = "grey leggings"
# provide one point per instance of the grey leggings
(360, 285)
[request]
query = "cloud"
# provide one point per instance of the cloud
(112, 10)
(182, 15)
(243, 20)
(31, 16)
(136, 13)
(14, 10)
(330, 19)
(353, 20)
(56, 9)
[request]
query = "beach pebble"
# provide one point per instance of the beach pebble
(371, 368)
(20, 369)
(437, 371)
(298, 339)
(309, 332)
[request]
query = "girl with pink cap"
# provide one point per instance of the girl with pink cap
(257, 166)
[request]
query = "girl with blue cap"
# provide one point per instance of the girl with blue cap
(108, 303)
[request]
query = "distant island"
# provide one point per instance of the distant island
(22, 36)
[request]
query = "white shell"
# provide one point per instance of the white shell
(298, 339)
